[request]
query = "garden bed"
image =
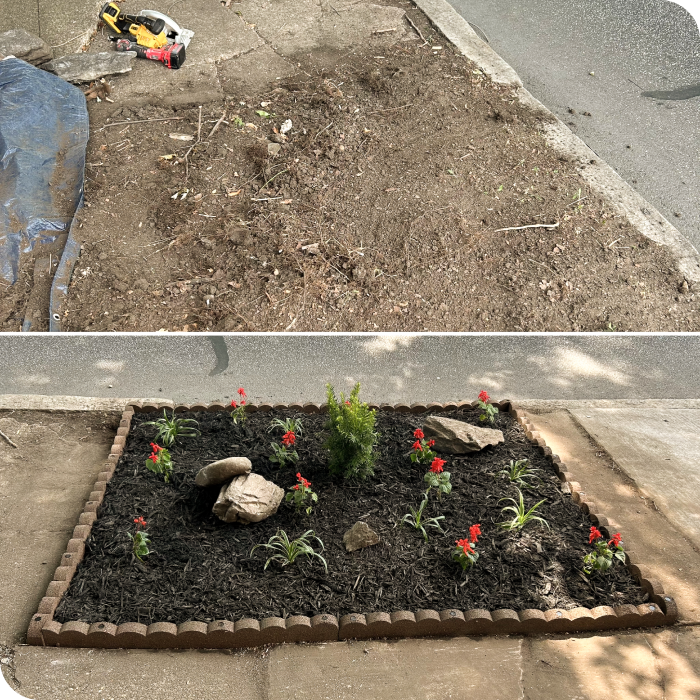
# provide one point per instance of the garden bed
(201, 586)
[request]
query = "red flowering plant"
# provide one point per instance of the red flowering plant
(489, 411)
(239, 412)
(139, 540)
(159, 461)
(421, 448)
(301, 495)
(285, 452)
(601, 558)
(464, 553)
(438, 478)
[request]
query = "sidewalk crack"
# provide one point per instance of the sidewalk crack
(657, 668)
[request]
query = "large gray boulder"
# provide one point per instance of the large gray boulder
(222, 471)
(21, 44)
(457, 437)
(248, 499)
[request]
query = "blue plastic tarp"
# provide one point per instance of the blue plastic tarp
(43, 136)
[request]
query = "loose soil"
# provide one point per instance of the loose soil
(380, 211)
(202, 568)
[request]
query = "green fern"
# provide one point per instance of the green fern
(352, 436)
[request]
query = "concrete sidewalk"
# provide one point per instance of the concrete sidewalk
(662, 663)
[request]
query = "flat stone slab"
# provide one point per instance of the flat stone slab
(457, 437)
(29, 47)
(85, 67)
(223, 470)
(660, 451)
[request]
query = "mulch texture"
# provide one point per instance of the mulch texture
(202, 569)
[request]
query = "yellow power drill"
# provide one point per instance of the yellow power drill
(147, 31)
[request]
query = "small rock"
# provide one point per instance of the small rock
(457, 437)
(312, 249)
(273, 148)
(222, 471)
(21, 44)
(85, 67)
(359, 536)
(286, 126)
(248, 499)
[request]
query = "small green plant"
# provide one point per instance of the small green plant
(464, 554)
(159, 462)
(139, 540)
(437, 478)
(169, 429)
(237, 121)
(239, 412)
(352, 436)
(601, 558)
(301, 495)
(284, 453)
(415, 519)
(288, 425)
(489, 411)
(522, 517)
(421, 448)
(517, 471)
(287, 552)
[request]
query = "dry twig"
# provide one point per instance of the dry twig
(2, 435)
(519, 228)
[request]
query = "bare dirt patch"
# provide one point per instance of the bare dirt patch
(380, 209)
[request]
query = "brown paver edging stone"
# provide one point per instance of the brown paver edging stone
(224, 634)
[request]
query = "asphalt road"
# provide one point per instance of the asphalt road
(391, 368)
(633, 47)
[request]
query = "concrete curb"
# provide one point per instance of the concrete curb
(44, 631)
(599, 176)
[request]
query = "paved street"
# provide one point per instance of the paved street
(391, 368)
(633, 48)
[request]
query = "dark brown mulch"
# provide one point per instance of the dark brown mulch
(202, 568)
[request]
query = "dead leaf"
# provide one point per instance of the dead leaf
(181, 137)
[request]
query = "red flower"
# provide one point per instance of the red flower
(289, 438)
(156, 448)
(436, 465)
(417, 445)
(418, 433)
(465, 545)
(241, 392)
(615, 541)
(154, 457)
(595, 534)
(295, 488)
(140, 521)
(242, 402)
(483, 396)
(234, 404)
(431, 443)
(347, 403)
(302, 481)
(474, 530)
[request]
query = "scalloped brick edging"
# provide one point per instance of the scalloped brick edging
(224, 634)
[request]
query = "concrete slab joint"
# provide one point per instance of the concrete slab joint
(45, 631)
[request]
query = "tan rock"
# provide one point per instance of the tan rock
(223, 471)
(248, 499)
(457, 437)
(359, 536)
